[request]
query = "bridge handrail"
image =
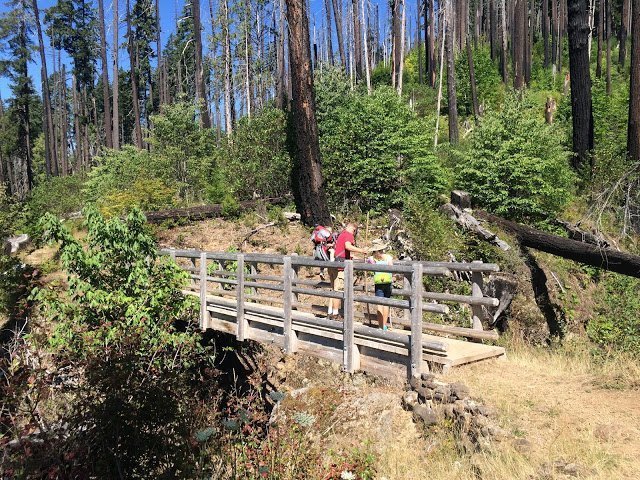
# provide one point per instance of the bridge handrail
(291, 286)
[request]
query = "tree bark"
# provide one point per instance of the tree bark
(555, 31)
(600, 38)
(612, 260)
(51, 161)
(134, 82)
(633, 133)
(229, 106)
(64, 120)
(419, 43)
(337, 15)
(105, 77)
(518, 43)
(116, 79)
(357, 38)
(313, 204)
(545, 32)
(493, 37)
(396, 41)
(608, 40)
(580, 83)
(327, 10)
(624, 30)
(451, 76)
(472, 82)
(201, 93)
(281, 87)
(503, 36)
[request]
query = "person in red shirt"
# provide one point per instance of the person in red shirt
(345, 245)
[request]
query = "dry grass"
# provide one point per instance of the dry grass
(554, 405)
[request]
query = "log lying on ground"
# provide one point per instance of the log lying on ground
(208, 211)
(576, 233)
(13, 245)
(586, 253)
(468, 222)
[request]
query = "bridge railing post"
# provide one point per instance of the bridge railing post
(351, 355)
(204, 313)
(290, 337)
(243, 325)
(476, 291)
(416, 320)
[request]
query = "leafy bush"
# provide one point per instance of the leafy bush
(146, 194)
(255, 160)
(124, 320)
(617, 321)
(56, 195)
(488, 81)
(516, 166)
(371, 145)
(183, 149)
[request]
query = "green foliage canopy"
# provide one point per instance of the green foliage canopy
(515, 165)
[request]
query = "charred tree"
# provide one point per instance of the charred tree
(51, 162)
(201, 93)
(310, 189)
(105, 77)
(337, 15)
(608, 40)
(451, 75)
(586, 253)
(357, 38)
(580, 83)
(134, 82)
(633, 133)
(116, 77)
(545, 32)
(229, 107)
(519, 40)
(472, 82)
(281, 87)
(600, 38)
(623, 32)
(327, 9)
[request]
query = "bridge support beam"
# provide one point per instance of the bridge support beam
(416, 320)
(243, 325)
(290, 336)
(204, 313)
(351, 354)
(476, 291)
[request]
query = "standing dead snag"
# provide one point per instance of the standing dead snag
(311, 196)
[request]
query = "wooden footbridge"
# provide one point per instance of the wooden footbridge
(266, 298)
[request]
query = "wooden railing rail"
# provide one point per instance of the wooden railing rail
(245, 282)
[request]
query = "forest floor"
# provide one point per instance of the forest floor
(567, 416)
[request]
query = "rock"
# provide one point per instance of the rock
(442, 394)
(291, 216)
(424, 393)
(423, 414)
(427, 377)
(461, 199)
(570, 469)
(13, 245)
(486, 410)
(415, 382)
(448, 412)
(471, 406)
(409, 399)
(459, 390)
(521, 444)
(458, 407)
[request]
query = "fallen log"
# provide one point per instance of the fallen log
(612, 260)
(202, 212)
(468, 222)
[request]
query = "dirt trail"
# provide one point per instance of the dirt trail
(556, 405)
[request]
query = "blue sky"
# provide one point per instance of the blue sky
(168, 11)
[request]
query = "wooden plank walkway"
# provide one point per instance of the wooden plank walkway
(288, 319)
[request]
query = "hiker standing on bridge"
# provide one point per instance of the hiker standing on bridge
(345, 245)
(383, 281)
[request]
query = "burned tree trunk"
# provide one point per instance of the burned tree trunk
(622, 35)
(633, 134)
(580, 83)
(337, 15)
(586, 253)
(472, 81)
(201, 94)
(105, 78)
(451, 76)
(311, 196)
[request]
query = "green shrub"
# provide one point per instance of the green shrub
(255, 160)
(372, 147)
(125, 323)
(57, 195)
(616, 324)
(145, 194)
(516, 165)
(488, 81)
(183, 150)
